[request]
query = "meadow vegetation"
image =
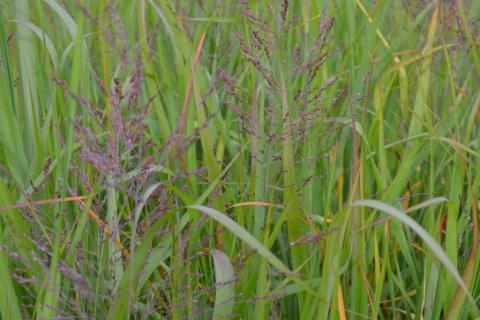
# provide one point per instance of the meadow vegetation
(187, 159)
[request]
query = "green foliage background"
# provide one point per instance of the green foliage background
(239, 159)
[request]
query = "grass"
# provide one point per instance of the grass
(239, 159)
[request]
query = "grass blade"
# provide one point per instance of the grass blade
(436, 249)
(245, 236)
(225, 286)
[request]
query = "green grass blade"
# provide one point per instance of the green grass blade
(245, 236)
(436, 249)
(225, 285)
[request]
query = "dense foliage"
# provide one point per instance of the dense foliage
(239, 159)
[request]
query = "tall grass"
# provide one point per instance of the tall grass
(239, 159)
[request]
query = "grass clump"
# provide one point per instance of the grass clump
(239, 159)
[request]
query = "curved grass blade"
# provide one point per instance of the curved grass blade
(66, 18)
(41, 202)
(429, 241)
(427, 203)
(43, 37)
(246, 237)
(243, 234)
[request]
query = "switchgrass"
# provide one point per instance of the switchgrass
(239, 159)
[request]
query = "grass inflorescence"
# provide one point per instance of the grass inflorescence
(239, 159)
